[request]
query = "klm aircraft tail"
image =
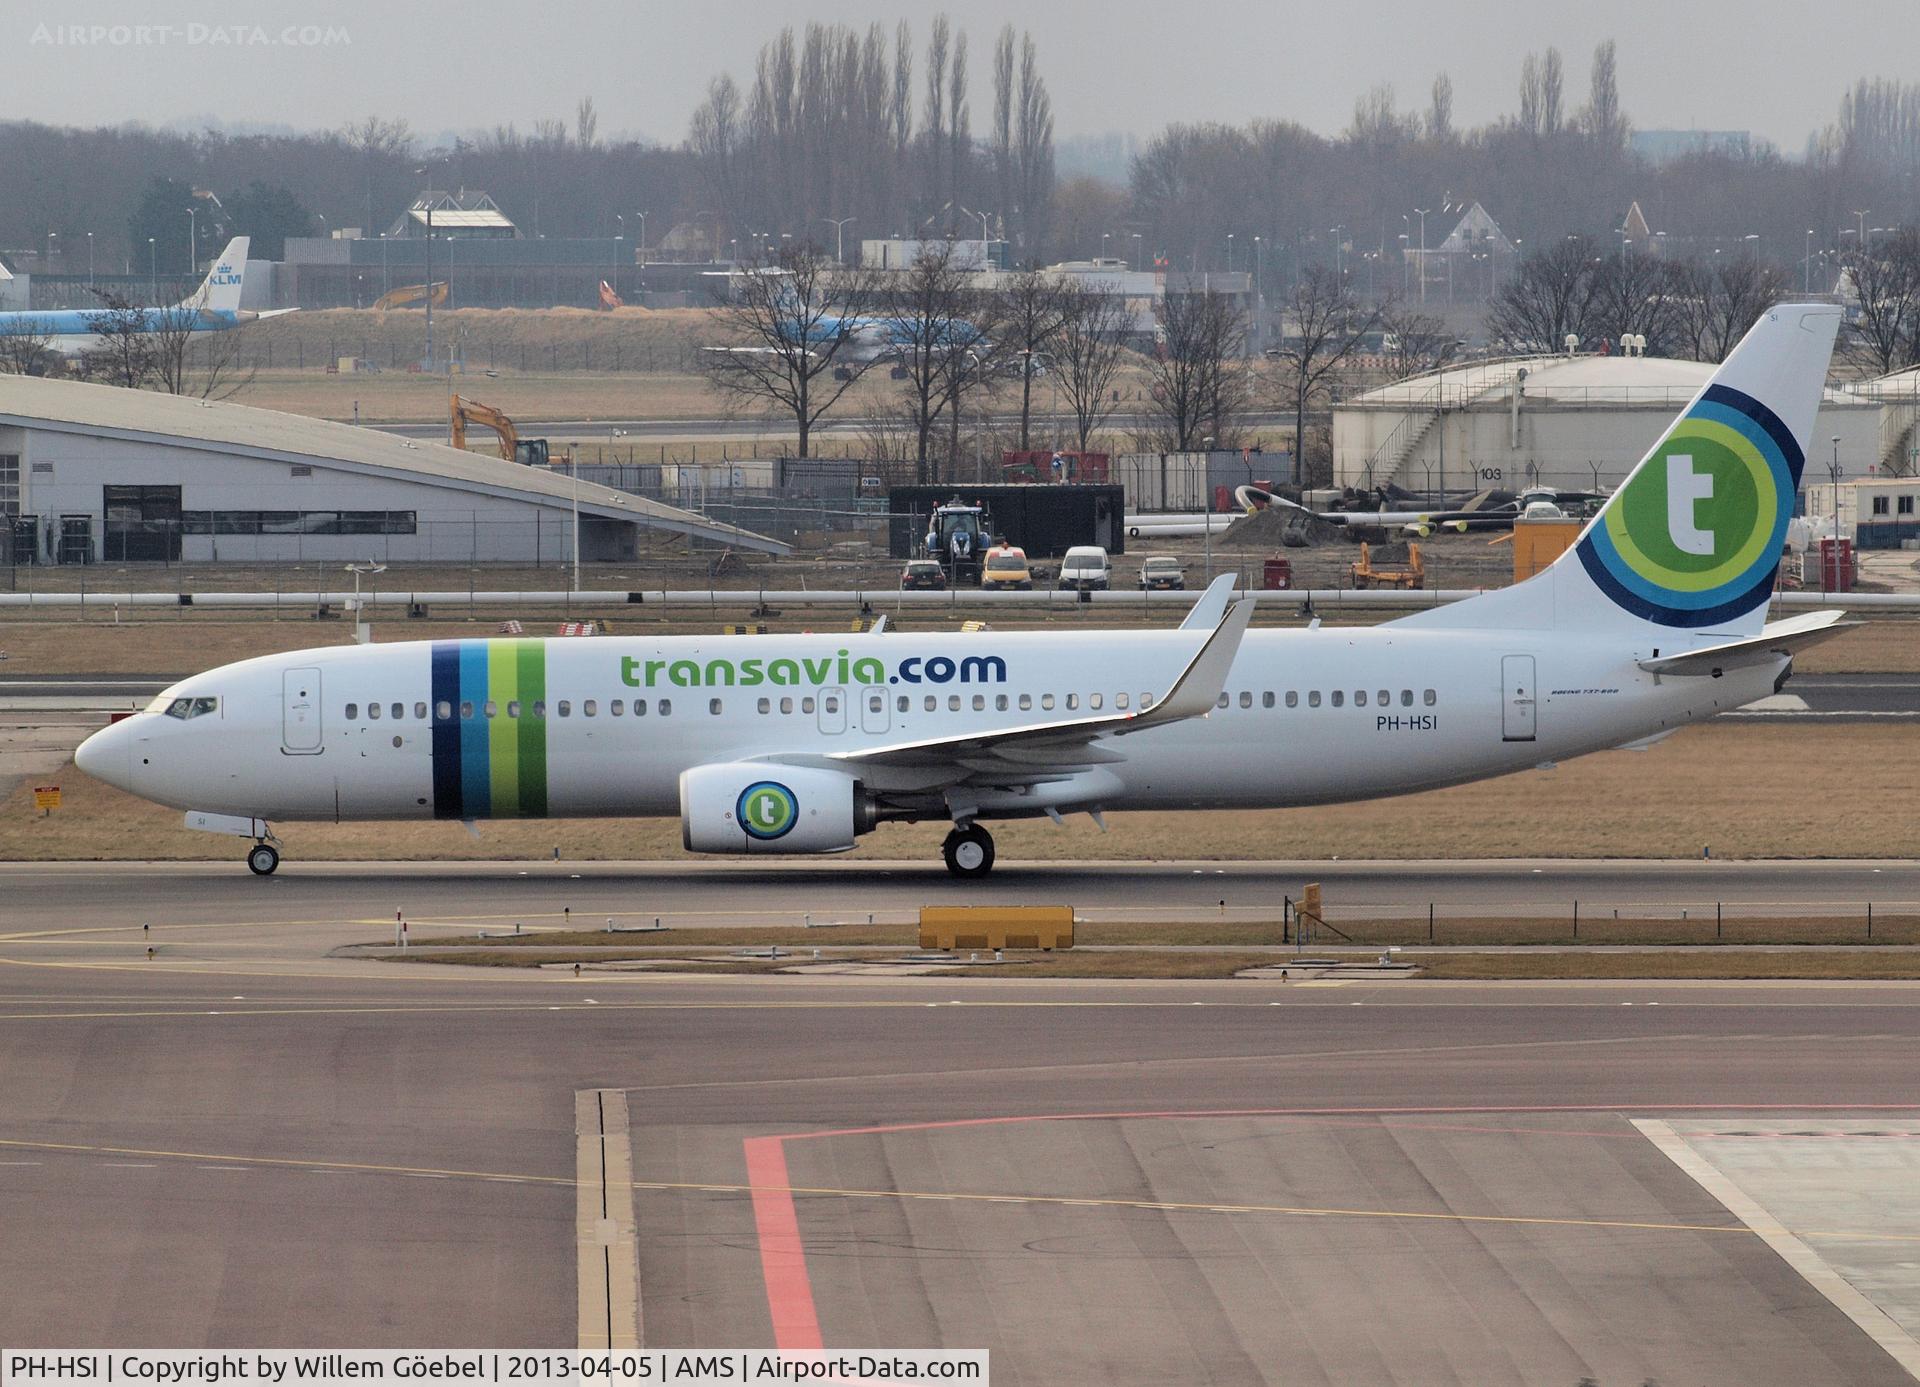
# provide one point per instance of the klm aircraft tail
(1691, 540)
(219, 292)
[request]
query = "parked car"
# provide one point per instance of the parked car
(1007, 568)
(923, 575)
(1086, 568)
(1163, 573)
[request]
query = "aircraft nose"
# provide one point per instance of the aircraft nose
(107, 755)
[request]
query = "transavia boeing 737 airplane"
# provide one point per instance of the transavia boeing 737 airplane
(213, 307)
(799, 744)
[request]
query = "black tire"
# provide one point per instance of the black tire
(262, 859)
(969, 851)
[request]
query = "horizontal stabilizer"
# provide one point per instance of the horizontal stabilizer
(1779, 638)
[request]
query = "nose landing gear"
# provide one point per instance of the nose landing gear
(969, 851)
(262, 859)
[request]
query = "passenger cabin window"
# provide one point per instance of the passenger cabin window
(806, 705)
(979, 703)
(786, 705)
(492, 708)
(1224, 699)
(1313, 698)
(640, 707)
(589, 707)
(513, 707)
(1339, 697)
(932, 703)
(876, 703)
(666, 706)
(832, 703)
(566, 707)
(1120, 700)
(1266, 699)
(1073, 701)
(1386, 698)
(1359, 698)
(903, 703)
(953, 703)
(353, 712)
(1093, 701)
(617, 708)
(443, 710)
(713, 707)
(1046, 701)
(1000, 703)
(420, 711)
(1431, 698)
(766, 705)
(1246, 698)
(540, 708)
(466, 709)
(1293, 698)
(1026, 702)
(1406, 698)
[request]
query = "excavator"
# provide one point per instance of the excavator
(412, 296)
(460, 413)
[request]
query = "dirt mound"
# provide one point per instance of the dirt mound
(1277, 528)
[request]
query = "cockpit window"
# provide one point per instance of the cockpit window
(185, 708)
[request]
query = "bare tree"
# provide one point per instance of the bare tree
(927, 307)
(1547, 298)
(1633, 292)
(586, 124)
(1530, 96)
(1553, 83)
(1322, 327)
(1884, 335)
(1716, 303)
(1604, 123)
(789, 335)
(28, 351)
(1033, 153)
(122, 353)
(1024, 318)
(1087, 352)
(1415, 342)
(1197, 382)
(1440, 110)
(183, 359)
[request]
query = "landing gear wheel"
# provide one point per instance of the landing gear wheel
(969, 851)
(263, 859)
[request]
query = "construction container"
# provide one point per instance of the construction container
(1538, 542)
(1276, 573)
(951, 927)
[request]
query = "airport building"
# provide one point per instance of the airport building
(99, 474)
(1575, 422)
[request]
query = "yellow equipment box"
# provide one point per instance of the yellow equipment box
(1537, 543)
(996, 927)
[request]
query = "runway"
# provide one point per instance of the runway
(246, 1141)
(496, 895)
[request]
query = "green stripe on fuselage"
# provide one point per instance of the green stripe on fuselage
(531, 658)
(503, 733)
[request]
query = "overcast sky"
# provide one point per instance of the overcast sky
(1774, 68)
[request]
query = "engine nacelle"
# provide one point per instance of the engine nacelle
(759, 807)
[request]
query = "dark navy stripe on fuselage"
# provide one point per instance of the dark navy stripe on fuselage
(447, 800)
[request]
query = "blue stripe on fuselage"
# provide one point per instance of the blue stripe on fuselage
(476, 784)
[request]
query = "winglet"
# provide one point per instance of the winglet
(1198, 688)
(1211, 605)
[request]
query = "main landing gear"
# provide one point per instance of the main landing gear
(969, 851)
(263, 858)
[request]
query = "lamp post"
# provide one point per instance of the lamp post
(1229, 252)
(153, 276)
(53, 238)
(985, 219)
(1136, 251)
(839, 225)
(89, 260)
(193, 242)
(1421, 212)
(643, 238)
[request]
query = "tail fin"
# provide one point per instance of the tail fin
(1691, 540)
(219, 292)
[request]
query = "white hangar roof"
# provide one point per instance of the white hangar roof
(271, 436)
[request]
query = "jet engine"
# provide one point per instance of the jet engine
(761, 807)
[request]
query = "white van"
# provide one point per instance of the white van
(1085, 569)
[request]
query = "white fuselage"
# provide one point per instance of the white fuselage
(528, 728)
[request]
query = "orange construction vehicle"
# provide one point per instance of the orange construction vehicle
(413, 296)
(460, 413)
(1398, 566)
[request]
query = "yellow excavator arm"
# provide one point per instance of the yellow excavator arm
(463, 412)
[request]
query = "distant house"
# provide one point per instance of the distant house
(1468, 263)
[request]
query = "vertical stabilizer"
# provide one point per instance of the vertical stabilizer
(219, 292)
(1692, 539)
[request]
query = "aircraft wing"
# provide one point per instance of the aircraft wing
(1211, 605)
(1043, 749)
(1776, 639)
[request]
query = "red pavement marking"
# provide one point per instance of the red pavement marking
(783, 1257)
(783, 1261)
